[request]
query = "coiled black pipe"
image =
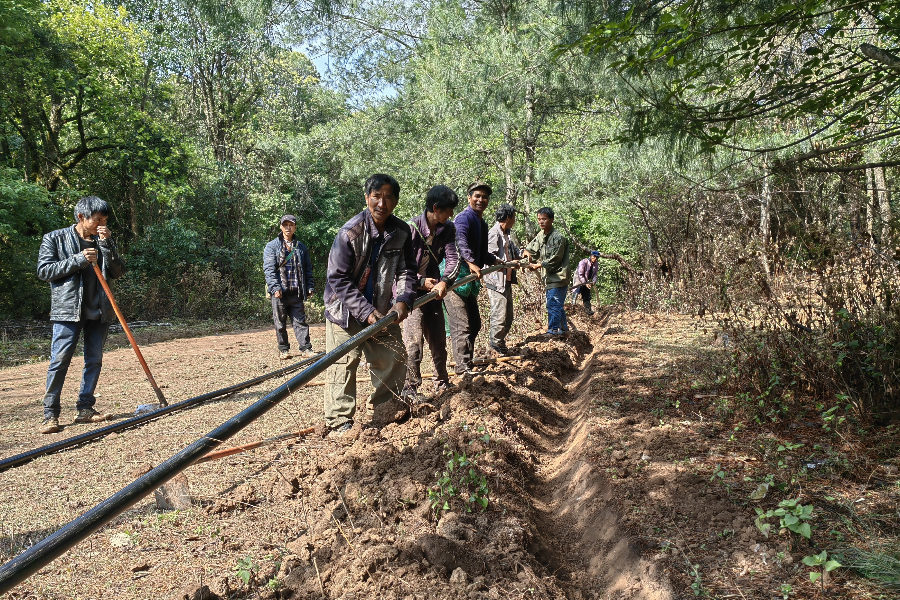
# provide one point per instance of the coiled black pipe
(25, 457)
(41, 554)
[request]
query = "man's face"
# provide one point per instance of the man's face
(89, 226)
(288, 228)
(381, 203)
(443, 214)
(545, 223)
(479, 199)
(508, 224)
(593, 259)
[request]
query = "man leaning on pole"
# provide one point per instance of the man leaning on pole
(549, 252)
(434, 242)
(78, 304)
(371, 272)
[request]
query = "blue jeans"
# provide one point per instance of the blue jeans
(62, 348)
(556, 314)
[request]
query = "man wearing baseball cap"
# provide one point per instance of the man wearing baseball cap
(585, 278)
(289, 282)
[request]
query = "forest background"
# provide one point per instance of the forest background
(735, 161)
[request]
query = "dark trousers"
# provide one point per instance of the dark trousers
(425, 325)
(585, 294)
(290, 303)
(62, 348)
(465, 323)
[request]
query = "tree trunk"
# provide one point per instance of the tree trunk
(765, 202)
(884, 199)
(871, 203)
(529, 147)
(511, 191)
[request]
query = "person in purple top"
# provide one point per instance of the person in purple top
(472, 241)
(434, 241)
(371, 272)
(585, 278)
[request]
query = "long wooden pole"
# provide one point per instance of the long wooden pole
(159, 394)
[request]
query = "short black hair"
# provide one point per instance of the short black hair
(89, 205)
(546, 211)
(440, 196)
(504, 211)
(379, 180)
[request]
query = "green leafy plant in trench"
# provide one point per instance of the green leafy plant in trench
(460, 480)
(245, 569)
(822, 561)
(791, 515)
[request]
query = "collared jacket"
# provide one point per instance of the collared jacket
(443, 246)
(552, 251)
(497, 246)
(472, 238)
(60, 262)
(395, 269)
(587, 272)
(274, 279)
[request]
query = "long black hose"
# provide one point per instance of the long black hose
(25, 457)
(41, 554)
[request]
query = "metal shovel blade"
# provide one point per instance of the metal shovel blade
(144, 409)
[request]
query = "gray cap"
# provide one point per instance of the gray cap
(290, 218)
(479, 185)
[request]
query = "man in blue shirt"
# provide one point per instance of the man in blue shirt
(472, 240)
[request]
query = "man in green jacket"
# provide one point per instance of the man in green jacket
(549, 252)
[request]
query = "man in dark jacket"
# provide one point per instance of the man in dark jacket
(472, 240)
(289, 280)
(433, 241)
(549, 252)
(371, 258)
(585, 278)
(78, 304)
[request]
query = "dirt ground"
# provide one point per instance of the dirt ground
(604, 466)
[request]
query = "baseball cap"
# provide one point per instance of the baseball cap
(479, 185)
(290, 218)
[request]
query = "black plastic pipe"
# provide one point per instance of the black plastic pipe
(51, 547)
(25, 457)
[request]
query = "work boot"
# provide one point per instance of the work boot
(412, 396)
(50, 425)
(285, 354)
(500, 349)
(441, 387)
(587, 308)
(89, 415)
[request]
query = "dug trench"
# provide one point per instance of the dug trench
(482, 492)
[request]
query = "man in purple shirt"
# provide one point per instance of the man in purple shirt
(472, 240)
(434, 241)
(371, 272)
(585, 278)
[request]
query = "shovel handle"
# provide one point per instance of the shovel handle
(159, 394)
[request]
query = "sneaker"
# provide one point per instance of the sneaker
(307, 353)
(285, 354)
(89, 415)
(50, 425)
(342, 428)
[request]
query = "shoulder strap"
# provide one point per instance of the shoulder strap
(425, 241)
